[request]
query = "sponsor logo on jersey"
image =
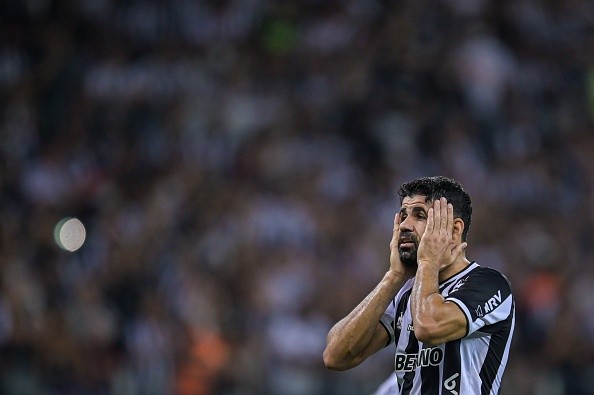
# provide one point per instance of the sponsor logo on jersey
(450, 383)
(425, 357)
(493, 302)
(479, 311)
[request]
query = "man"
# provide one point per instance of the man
(451, 320)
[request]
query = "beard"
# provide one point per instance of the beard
(408, 256)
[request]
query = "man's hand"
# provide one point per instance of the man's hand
(396, 264)
(438, 248)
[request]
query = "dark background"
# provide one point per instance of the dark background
(236, 164)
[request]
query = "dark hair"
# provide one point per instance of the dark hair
(436, 187)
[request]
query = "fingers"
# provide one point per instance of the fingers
(430, 220)
(440, 218)
(396, 229)
(437, 215)
(450, 221)
(443, 213)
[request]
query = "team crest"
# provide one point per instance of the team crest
(399, 321)
(459, 284)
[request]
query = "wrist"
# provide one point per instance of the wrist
(427, 270)
(394, 275)
(426, 263)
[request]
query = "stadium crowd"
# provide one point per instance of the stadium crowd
(236, 162)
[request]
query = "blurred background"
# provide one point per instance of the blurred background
(236, 162)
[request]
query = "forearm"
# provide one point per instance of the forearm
(426, 300)
(435, 320)
(350, 341)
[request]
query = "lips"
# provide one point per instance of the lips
(406, 242)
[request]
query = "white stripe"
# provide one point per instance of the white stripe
(389, 317)
(498, 314)
(472, 357)
(504, 358)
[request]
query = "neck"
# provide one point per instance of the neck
(460, 264)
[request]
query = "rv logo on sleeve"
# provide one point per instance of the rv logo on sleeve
(479, 311)
(493, 302)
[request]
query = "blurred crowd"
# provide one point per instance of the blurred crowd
(236, 163)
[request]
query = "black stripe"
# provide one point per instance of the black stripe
(411, 348)
(429, 379)
(452, 368)
(493, 359)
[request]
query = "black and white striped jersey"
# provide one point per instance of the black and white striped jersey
(473, 364)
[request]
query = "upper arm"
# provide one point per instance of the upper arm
(482, 298)
(485, 299)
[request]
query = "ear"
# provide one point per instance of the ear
(458, 229)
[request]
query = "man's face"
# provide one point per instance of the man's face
(413, 220)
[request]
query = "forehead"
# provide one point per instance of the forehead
(414, 201)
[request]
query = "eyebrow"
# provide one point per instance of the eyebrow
(414, 210)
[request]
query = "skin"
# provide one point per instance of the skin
(440, 256)
(431, 231)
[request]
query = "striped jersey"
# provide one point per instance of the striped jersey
(473, 364)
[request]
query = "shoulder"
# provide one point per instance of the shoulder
(482, 282)
(481, 273)
(485, 297)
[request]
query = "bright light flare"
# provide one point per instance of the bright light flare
(70, 234)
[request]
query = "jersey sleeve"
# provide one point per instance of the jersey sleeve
(395, 308)
(387, 321)
(485, 297)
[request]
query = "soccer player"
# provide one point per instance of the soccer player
(451, 320)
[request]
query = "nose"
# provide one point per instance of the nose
(406, 225)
